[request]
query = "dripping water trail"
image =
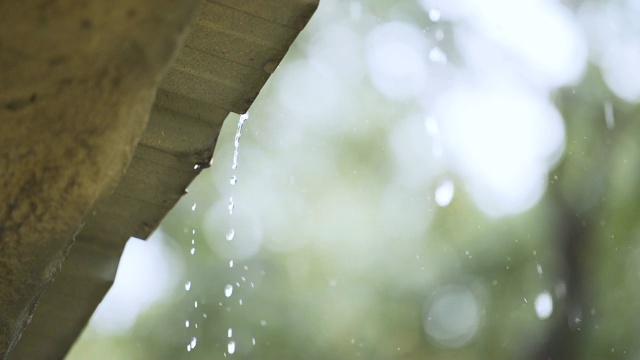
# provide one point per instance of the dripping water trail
(191, 323)
(231, 231)
(236, 142)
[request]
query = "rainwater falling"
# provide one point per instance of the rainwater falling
(191, 323)
(444, 193)
(229, 288)
(445, 190)
(236, 144)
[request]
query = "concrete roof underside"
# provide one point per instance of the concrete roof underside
(231, 50)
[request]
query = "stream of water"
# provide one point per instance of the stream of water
(192, 322)
(230, 234)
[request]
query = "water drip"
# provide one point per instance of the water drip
(228, 290)
(230, 234)
(236, 141)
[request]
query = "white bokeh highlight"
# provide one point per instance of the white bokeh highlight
(453, 317)
(503, 141)
(615, 44)
(396, 59)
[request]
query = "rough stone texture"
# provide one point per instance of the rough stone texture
(77, 80)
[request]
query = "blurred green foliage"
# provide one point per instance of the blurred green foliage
(342, 252)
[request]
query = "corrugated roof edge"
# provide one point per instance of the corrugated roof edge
(177, 168)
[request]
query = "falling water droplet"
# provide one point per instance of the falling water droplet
(231, 347)
(186, 323)
(187, 285)
(544, 305)
(195, 304)
(230, 263)
(228, 290)
(253, 341)
(539, 268)
(236, 141)
(193, 207)
(233, 180)
(194, 341)
(229, 332)
(437, 56)
(230, 234)
(444, 193)
(231, 205)
(193, 250)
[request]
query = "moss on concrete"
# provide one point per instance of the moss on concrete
(77, 80)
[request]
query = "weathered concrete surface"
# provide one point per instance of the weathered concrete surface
(77, 80)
